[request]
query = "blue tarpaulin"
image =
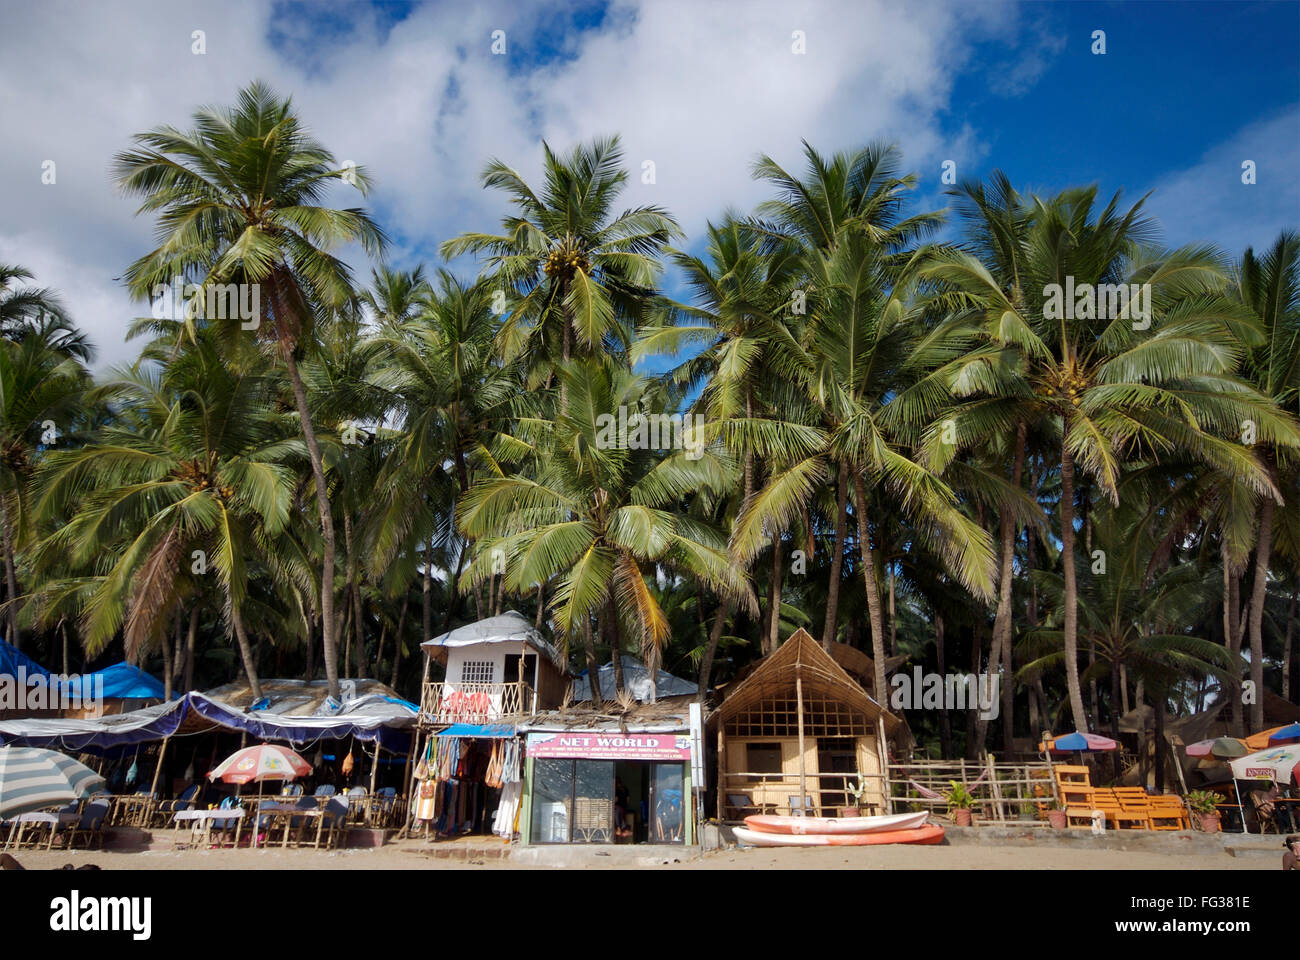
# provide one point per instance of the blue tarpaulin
(196, 713)
(11, 659)
(121, 681)
(491, 730)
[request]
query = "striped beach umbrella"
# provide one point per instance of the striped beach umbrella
(32, 779)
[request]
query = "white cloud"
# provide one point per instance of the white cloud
(1208, 201)
(699, 88)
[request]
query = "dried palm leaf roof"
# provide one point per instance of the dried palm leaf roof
(801, 656)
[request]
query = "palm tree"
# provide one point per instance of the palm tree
(1117, 386)
(744, 346)
(239, 200)
(1135, 615)
(191, 471)
(598, 513)
(1269, 287)
(451, 402)
(577, 277)
(41, 398)
(863, 345)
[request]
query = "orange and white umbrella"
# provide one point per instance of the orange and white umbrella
(265, 761)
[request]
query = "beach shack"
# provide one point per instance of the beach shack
(496, 673)
(799, 725)
(597, 779)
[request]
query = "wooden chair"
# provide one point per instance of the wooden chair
(741, 805)
(89, 829)
(1168, 813)
(1079, 818)
(593, 819)
(1123, 817)
(1073, 785)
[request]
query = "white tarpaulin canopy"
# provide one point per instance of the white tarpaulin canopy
(1280, 763)
(636, 680)
(509, 627)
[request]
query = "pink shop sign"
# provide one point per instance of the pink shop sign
(611, 746)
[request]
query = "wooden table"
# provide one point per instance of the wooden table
(286, 812)
(19, 824)
(206, 817)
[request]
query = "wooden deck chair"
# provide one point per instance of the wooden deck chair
(90, 828)
(1168, 813)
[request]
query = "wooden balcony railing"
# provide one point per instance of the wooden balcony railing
(475, 702)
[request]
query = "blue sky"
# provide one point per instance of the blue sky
(1184, 93)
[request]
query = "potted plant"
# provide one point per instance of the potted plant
(960, 800)
(857, 793)
(1204, 805)
(1056, 815)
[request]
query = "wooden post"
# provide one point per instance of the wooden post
(997, 787)
(882, 751)
(374, 775)
(798, 692)
(162, 755)
(722, 772)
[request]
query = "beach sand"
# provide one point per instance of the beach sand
(408, 855)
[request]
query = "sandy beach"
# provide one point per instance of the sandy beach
(415, 855)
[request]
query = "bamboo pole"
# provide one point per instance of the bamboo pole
(162, 755)
(882, 751)
(798, 691)
(374, 776)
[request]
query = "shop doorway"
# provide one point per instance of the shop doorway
(583, 801)
(836, 755)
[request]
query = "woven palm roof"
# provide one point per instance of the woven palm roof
(801, 657)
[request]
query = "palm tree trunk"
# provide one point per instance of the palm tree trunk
(245, 650)
(893, 614)
(354, 593)
(715, 637)
(615, 643)
(426, 594)
(975, 728)
(397, 640)
(1260, 591)
(1071, 586)
(941, 656)
(1115, 685)
(329, 642)
(168, 658)
(191, 636)
(1238, 726)
(772, 640)
(11, 581)
(837, 560)
(881, 691)
(1286, 643)
(593, 668)
(1160, 741)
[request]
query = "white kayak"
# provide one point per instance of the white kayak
(928, 834)
(834, 826)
